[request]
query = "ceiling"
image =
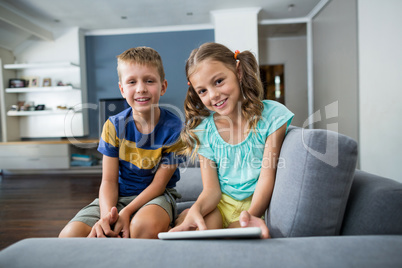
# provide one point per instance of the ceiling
(55, 16)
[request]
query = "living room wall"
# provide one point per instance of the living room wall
(292, 52)
(380, 83)
(174, 48)
(336, 67)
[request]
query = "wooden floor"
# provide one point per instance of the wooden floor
(41, 205)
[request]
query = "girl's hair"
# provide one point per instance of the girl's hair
(250, 86)
(142, 56)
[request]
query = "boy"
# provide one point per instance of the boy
(137, 195)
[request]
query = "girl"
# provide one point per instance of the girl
(237, 137)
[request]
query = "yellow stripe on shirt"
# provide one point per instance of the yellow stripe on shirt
(141, 158)
(109, 134)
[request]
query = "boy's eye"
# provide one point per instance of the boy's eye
(131, 82)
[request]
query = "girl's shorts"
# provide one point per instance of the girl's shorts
(91, 213)
(230, 208)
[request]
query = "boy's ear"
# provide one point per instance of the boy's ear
(164, 87)
(121, 90)
(239, 71)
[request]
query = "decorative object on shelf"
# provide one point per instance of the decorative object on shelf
(47, 82)
(30, 106)
(34, 82)
(60, 84)
(27, 80)
(21, 106)
(16, 83)
(40, 107)
(83, 160)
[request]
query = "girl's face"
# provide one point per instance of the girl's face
(141, 86)
(217, 86)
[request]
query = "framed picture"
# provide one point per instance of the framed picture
(34, 82)
(16, 83)
(47, 82)
(27, 80)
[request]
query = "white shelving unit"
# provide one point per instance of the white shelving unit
(46, 65)
(39, 89)
(51, 122)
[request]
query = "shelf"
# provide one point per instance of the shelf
(40, 89)
(43, 112)
(39, 65)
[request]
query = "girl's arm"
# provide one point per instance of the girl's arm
(265, 185)
(206, 201)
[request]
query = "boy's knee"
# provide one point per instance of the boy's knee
(145, 229)
(75, 229)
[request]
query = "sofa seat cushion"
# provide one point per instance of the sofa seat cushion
(313, 181)
(347, 251)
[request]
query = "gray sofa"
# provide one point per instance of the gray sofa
(323, 213)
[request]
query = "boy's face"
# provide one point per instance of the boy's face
(141, 86)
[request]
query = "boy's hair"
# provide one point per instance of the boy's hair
(142, 56)
(250, 86)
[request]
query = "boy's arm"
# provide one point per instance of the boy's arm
(108, 196)
(109, 188)
(155, 189)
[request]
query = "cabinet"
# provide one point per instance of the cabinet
(42, 155)
(63, 114)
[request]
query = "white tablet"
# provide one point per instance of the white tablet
(233, 233)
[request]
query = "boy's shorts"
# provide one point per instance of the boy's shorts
(230, 208)
(91, 213)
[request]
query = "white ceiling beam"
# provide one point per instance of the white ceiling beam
(16, 20)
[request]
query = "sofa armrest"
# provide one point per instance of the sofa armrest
(374, 206)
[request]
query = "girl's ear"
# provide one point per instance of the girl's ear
(121, 90)
(239, 70)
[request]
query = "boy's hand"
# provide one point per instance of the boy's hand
(102, 227)
(122, 226)
(248, 220)
(192, 221)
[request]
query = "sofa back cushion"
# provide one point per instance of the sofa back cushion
(190, 184)
(374, 206)
(313, 181)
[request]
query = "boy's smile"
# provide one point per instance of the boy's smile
(142, 87)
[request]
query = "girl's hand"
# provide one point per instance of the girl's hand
(248, 220)
(192, 221)
(102, 227)
(122, 226)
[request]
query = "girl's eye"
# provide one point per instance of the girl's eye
(201, 91)
(218, 81)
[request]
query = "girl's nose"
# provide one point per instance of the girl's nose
(213, 93)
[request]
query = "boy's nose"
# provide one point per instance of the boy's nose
(141, 87)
